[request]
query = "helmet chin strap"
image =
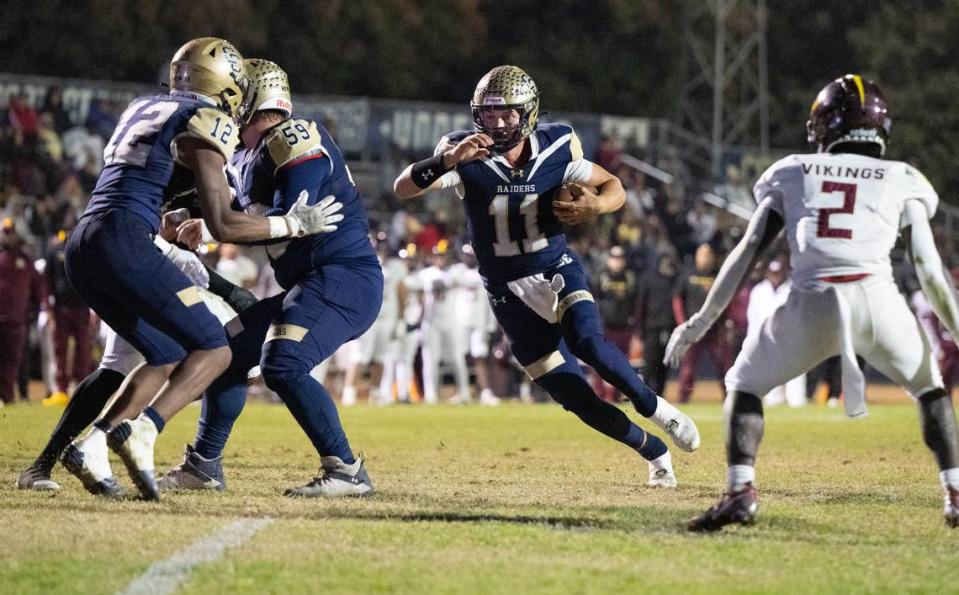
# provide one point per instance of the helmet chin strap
(848, 139)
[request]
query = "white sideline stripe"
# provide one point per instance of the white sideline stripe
(166, 576)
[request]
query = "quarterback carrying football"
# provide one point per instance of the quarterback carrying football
(508, 172)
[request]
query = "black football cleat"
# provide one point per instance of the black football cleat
(734, 507)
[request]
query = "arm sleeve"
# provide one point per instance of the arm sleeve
(580, 170)
(932, 276)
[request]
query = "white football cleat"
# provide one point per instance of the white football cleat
(677, 424)
(951, 510)
(336, 480)
(348, 399)
(87, 460)
(661, 472)
(488, 398)
(133, 440)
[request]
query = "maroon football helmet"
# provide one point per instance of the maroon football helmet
(850, 109)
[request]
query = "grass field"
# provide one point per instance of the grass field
(517, 499)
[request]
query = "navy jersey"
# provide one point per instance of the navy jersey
(141, 171)
(293, 156)
(509, 210)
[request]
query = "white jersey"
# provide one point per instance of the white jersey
(842, 211)
(394, 270)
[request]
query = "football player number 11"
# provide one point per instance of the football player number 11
(823, 230)
(501, 209)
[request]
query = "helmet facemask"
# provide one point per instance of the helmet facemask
(506, 88)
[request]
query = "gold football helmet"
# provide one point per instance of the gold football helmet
(506, 87)
(269, 88)
(213, 67)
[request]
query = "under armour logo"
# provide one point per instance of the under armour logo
(428, 174)
(498, 300)
(517, 173)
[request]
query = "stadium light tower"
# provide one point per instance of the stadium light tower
(725, 100)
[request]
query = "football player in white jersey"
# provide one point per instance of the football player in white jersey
(842, 209)
(381, 344)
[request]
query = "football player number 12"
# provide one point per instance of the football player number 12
(823, 230)
(505, 245)
(136, 132)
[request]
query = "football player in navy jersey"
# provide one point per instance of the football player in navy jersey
(508, 172)
(163, 145)
(334, 289)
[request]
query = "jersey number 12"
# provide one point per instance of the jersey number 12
(137, 130)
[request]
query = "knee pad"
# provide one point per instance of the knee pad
(282, 359)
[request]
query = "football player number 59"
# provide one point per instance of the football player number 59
(823, 230)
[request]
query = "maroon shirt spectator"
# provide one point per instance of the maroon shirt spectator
(20, 287)
(71, 319)
(689, 297)
(22, 115)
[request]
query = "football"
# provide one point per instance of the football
(573, 190)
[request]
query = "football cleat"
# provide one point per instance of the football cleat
(57, 399)
(87, 460)
(488, 399)
(336, 480)
(734, 507)
(951, 510)
(194, 473)
(677, 424)
(133, 440)
(661, 478)
(35, 478)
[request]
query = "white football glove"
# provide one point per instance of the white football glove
(682, 339)
(540, 295)
(304, 220)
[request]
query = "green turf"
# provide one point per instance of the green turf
(519, 499)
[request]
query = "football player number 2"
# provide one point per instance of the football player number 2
(823, 230)
(137, 130)
(501, 208)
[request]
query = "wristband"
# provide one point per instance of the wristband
(427, 171)
(279, 228)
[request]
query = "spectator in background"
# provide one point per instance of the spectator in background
(21, 116)
(654, 296)
(84, 149)
(71, 320)
(53, 105)
(235, 267)
(615, 293)
(688, 297)
(608, 153)
(944, 347)
(20, 288)
(101, 119)
(50, 145)
(702, 223)
(764, 298)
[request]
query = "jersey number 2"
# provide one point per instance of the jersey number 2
(849, 202)
(505, 245)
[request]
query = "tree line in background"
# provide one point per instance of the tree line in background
(611, 56)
